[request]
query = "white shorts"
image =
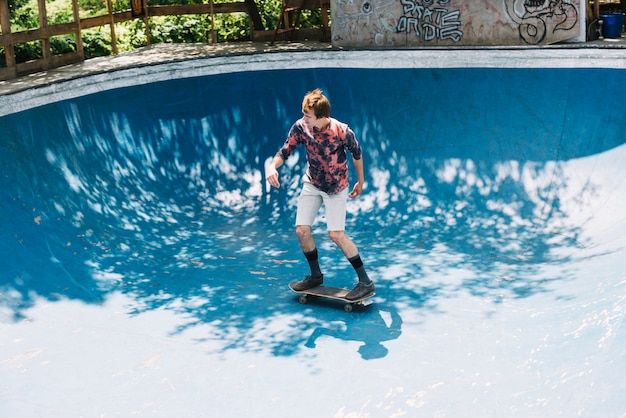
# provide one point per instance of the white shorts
(310, 202)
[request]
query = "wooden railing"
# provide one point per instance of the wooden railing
(45, 32)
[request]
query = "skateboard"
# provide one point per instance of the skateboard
(594, 30)
(334, 293)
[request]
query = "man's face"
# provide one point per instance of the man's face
(312, 121)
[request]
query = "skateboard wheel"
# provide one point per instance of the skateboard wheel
(347, 307)
(302, 299)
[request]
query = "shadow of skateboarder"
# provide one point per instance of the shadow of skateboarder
(372, 332)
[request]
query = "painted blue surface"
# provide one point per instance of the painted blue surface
(487, 189)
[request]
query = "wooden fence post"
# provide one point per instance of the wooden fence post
(112, 25)
(9, 51)
(45, 40)
(79, 35)
(213, 34)
(146, 21)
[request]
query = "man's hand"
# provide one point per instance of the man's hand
(272, 176)
(358, 187)
(271, 171)
(356, 190)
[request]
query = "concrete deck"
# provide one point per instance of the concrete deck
(152, 55)
(164, 53)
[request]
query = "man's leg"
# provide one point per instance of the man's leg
(336, 218)
(305, 237)
(352, 254)
(307, 243)
(309, 204)
(344, 243)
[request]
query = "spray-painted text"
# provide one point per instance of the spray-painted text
(429, 21)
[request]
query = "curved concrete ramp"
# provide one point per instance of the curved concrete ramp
(145, 261)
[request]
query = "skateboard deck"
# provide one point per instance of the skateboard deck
(335, 293)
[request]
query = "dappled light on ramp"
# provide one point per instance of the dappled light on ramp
(142, 245)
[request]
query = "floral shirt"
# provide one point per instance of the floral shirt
(325, 153)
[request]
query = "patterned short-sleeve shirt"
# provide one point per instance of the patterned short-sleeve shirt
(325, 153)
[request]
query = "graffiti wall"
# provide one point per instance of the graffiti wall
(396, 23)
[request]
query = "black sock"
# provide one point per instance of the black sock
(311, 257)
(357, 263)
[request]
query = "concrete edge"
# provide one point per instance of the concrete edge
(87, 81)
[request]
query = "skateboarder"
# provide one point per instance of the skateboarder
(325, 140)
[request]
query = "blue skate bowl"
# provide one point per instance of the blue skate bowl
(497, 185)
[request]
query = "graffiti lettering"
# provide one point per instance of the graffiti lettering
(430, 22)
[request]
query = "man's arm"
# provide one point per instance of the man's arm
(271, 173)
(358, 187)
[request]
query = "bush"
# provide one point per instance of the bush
(96, 43)
(28, 51)
(62, 44)
(179, 29)
(130, 35)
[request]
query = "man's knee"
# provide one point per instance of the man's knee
(303, 231)
(336, 236)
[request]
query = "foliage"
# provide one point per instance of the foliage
(96, 43)
(228, 27)
(59, 11)
(28, 51)
(269, 11)
(23, 15)
(131, 35)
(62, 44)
(232, 27)
(179, 29)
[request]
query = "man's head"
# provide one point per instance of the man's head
(317, 102)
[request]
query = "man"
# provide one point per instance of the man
(325, 182)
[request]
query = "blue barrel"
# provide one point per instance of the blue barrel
(612, 24)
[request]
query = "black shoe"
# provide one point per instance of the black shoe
(308, 282)
(360, 290)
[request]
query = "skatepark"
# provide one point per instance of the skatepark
(145, 260)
